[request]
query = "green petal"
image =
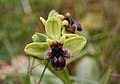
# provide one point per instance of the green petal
(53, 28)
(64, 31)
(36, 49)
(70, 35)
(62, 39)
(75, 44)
(66, 36)
(43, 20)
(49, 41)
(52, 13)
(38, 37)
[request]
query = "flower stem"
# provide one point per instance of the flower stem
(43, 72)
(27, 76)
(30, 68)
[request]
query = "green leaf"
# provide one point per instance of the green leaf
(75, 44)
(105, 78)
(36, 49)
(52, 13)
(87, 68)
(83, 80)
(38, 37)
(63, 75)
(53, 28)
(23, 79)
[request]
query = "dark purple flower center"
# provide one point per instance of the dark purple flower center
(57, 53)
(57, 60)
(58, 63)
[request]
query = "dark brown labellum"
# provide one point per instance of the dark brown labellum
(79, 28)
(57, 60)
(57, 53)
(58, 63)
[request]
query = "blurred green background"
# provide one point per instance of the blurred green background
(100, 20)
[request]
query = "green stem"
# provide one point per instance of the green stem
(30, 71)
(30, 66)
(43, 72)
(35, 66)
(27, 76)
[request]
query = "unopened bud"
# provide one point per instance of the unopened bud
(67, 14)
(65, 22)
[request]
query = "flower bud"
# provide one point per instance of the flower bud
(65, 22)
(67, 14)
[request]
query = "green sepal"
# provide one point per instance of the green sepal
(75, 44)
(52, 13)
(70, 35)
(53, 28)
(43, 20)
(64, 31)
(66, 36)
(38, 37)
(36, 49)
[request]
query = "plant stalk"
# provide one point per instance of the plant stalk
(43, 72)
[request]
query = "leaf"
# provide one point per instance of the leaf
(75, 44)
(105, 78)
(83, 80)
(36, 49)
(23, 79)
(63, 75)
(87, 68)
(52, 13)
(38, 37)
(53, 28)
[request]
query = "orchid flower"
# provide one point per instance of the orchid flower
(55, 46)
(70, 24)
